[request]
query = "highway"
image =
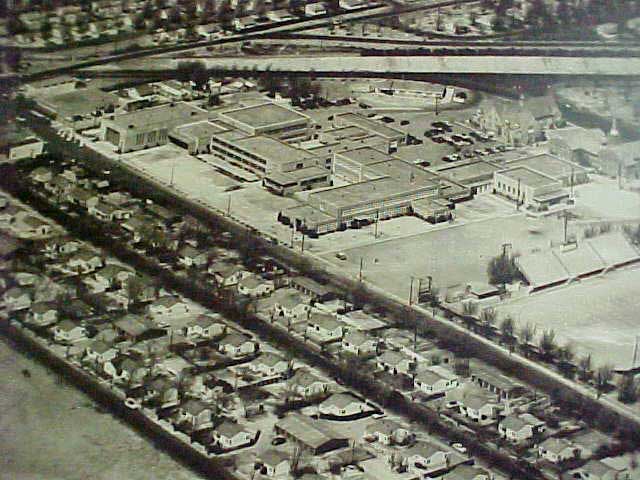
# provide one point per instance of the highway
(389, 65)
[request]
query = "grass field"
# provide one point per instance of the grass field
(451, 256)
(599, 316)
(49, 430)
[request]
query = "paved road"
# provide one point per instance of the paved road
(384, 65)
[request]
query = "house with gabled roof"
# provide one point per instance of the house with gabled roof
(519, 428)
(195, 414)
(231, 436)
(167, 305)
(395, 362)
(343, 405)
(34, 227)
(82, 197)
(556, 450)
(133, 327)
(227, 274)
(204, 327)
(16, 299)
(269, 364)
(236, 344)
(598, 470)
(290, 305)
(99, 351)
(306, 384)
(387, 432)
(190, 256)
(426, 457)
(274, 463)
(323, 327)
(436, 380)
(42, 314)
(68, 331)
(255, 286)
(84, 261)
(479, 406)
(359, 343)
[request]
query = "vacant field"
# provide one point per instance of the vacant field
(451, 255)
(49, 430)
(602, 199)
(599, 316)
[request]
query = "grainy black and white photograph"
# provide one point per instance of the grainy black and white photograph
(320, 239)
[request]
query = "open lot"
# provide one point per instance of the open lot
(599, 315)
(602, 199)
(72, 438)
(451, 255)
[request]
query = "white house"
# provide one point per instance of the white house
(229, 435)
(307, 385)
(426, 457)
(343, 405)
(235, 344)
(359, 343)
(100, 352)
(255, 286)
(275, 463)
(520, 428)
(436, 380)
(226, 274)
(192, 257)
(16, 299)
(290, 305)
(34, 227)
(195, 414)
(167, 305)
(163, 392)
(67, 332)
(394, 362)
(467, 472)
(556, 450)
(598, 470)
(204, 327)
(325, 328)
(84, 261)
(269, 364)
(387, 432)
(480, 407)
(42, 314)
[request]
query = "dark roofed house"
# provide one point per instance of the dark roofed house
(317, 291)
(315, 436)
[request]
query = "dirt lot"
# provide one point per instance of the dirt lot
(49, 430)
(599, 316)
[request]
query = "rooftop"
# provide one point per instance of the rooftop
(528, 177)
(79, 102)
(548, 165)
(164, 116)
(469, 172)
(370, 125)
(272, 149)
(313, 433)
(577, 138)
(264, 115)
(366, 155)
(198, 130)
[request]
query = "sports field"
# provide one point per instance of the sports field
(452, 256)
(599, 316)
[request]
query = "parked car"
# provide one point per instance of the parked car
(341, 256)
(458, 447)
(404, 122)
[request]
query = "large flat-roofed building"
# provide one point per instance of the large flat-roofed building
(81, 108)
(148, 127)
(475, 175)
(351, 165)
(195, 137)
(284, 183)
(270, 119)
(530, 188)
(567, 173)
(393, 136)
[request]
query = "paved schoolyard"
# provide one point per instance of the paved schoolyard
(599, 315)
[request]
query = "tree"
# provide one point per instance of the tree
(138, 22)
(148, 11)
(12, 57)
(261, 9)
(507, 329)
(526, 334)
(135, 288)
(45, 29)
(15, 26)
(627, 389)
(604, 374)
(584, 367)
(193, 71)
(174, 16)
(503, 269)
(225, 15)
(547, 344)
(488, 316)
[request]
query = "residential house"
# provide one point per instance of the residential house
(467, 472)
(41, 175)
(82, 197)
(26, 279)
(231, 436)
(9, 214)
(306, 385)
(227, 274)
(68, 331)
(255, 286)
(84, 261)
(34, 227)
(109, 213)
(124, 370)
(235, 344)
(387, 432)
(359, 343)
(113, 275)
(172, 365)
(195, 414)
(134, 328)
(395, 363)
(490, 378)
(100, 352)
(556, 450)
(313, 436)
(343, 405)
(192, 257)
(204, 327)
(424, 456)
(518, 429)
(479, 406)
(269, 364)
(323, 327)
(167, 305)
(16, 299)
(42, 314)
(436, 380)
(291, 306)
(598, 470)
(274, 463)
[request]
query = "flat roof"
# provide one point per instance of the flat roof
(528, 177)
(581, 260)
(201, 129)
(79, 102)
(294, 176)
(371, 125)
(548, 165)
(469, 172)
(542, 268)
(403, 171)
(308, 213)
(272, 149)
(343, 133)
(264, 115)
(363, 192)
(170, 114)
(365, 155)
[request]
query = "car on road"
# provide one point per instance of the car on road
(458, 447)
(278, 441)
(404, 122)
(388, 119)
(341, 256)
(438, 139)
(452, 404)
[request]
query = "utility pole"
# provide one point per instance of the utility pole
(361, 264)
(375, 231)
(518, 197)
(173, 167)
(302, 247)
(437, 112)
(293, 231)
(411, 292)
(229, 206)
